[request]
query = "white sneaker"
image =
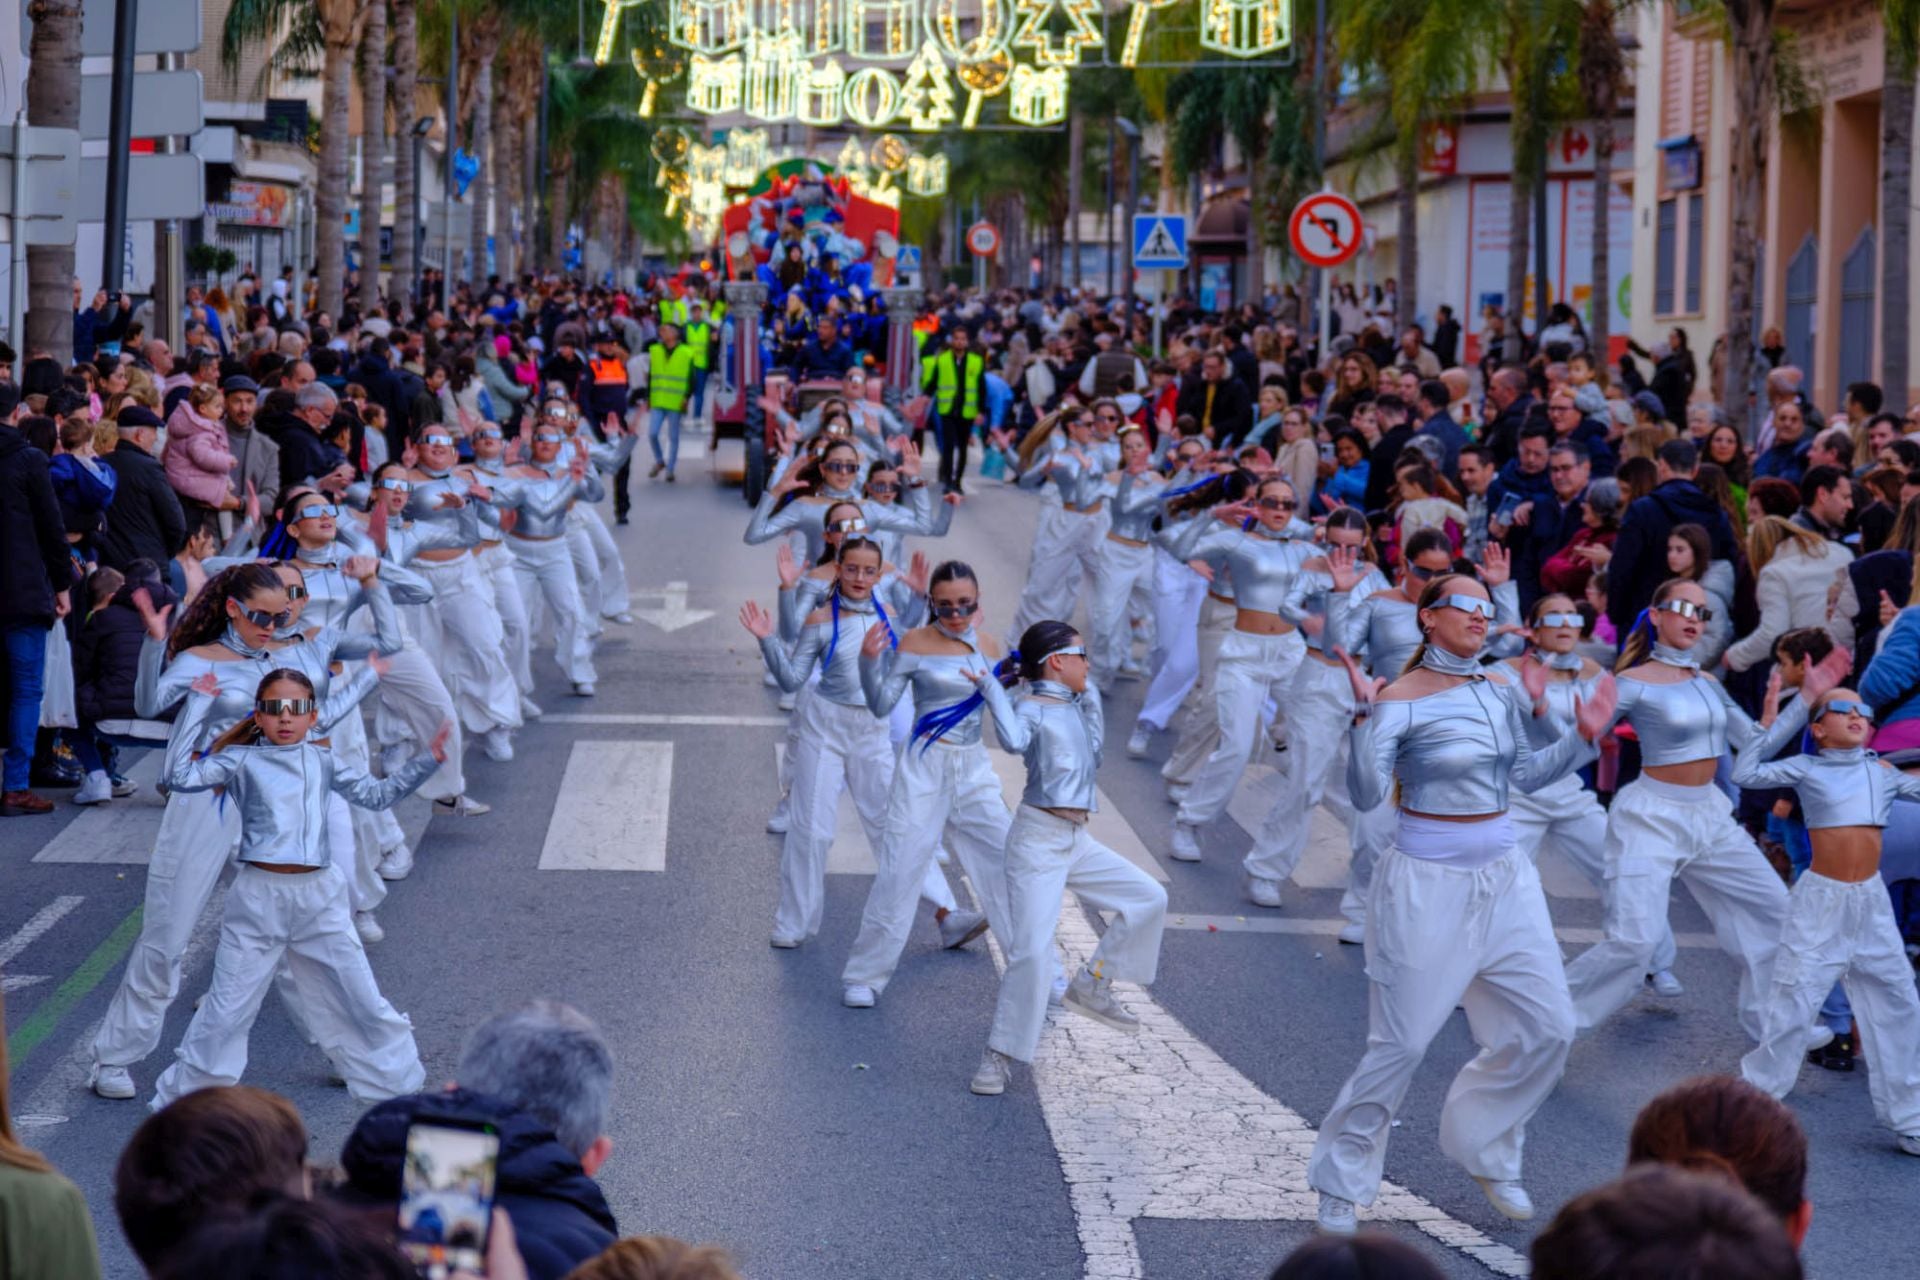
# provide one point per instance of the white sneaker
(396, 863)
(1177, 792)
(583, 688)
(1137, 741)
(1057, 993)
(1352, 934)
(1132, 671)
(769, 681)
(462, 806)
(991, 1077)
(958, 928)
(1093, 998)
(498, 744)
(624, 619)
(1819, 1038)
(1509, 1199)
(1665, 984)
(112, 1082)
(95, 788)
(785, 944)
(1185, 848)
(857, 996)
(367, 927)
(1337, 1216)
(787, 700)
(1908, 1143)
(1263, 892)
(529, 709)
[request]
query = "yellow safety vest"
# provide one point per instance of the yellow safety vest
(947, 384)
(699, 336)
(669, 374)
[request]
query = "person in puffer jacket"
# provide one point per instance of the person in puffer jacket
(106, 663)
(197, 461)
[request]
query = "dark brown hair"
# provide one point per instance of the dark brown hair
(206, 618)
(1734, 1123)
(1657, 1222)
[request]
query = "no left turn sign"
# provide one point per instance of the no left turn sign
(1325, 229)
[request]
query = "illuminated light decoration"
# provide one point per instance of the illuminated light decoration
(609, 30)
(881, 30)
(816, 23)
(714, 84)
(983, 77)
(1137, 29)
(1037, 97)
(927, 175)
(993, 28)
(669, 147)
(649, 98)
(872, 97)
(773, 69)
(1064, 49)
(1245, 28)
(890, 153)
(851, 163)
(746, 156)
(674, 182)
(821, 87)
(926, 92)
(706, 179)
(711, 27)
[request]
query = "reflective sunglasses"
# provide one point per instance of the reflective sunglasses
(1277, 504)
(840, 468)
(319, 511)
(1686, 609)
(296, 593)
(882, 486)
(283, 706)
(1419, 574)
(437, 438)
(1561, 620)
(259, 618)
(1848, 707)
(961, 609)
(855, 525)
(548, 437)
(1466, 604)
(1071, 651)
(394, 484)
(488, 433)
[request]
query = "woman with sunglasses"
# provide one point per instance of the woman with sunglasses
(1057, 725)
(1177, 595)
(1066, 542)
(837, 742)
(488, 469)
(1565, 812)
(1672, 821)
(1319, 708)
(1456, 915)
(942, 783)
(289, 901)
(1259, 656)
(596, 556)
(1839, 919)
(837, 480)
(230, 631)
(1123, 575)
(547, 489)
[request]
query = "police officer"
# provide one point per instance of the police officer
(607, 394)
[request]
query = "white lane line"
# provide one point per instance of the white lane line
(119, 832)
(668, 721)
(43, 919)
(612, 815)
(1158, 1125)
(1309, 927)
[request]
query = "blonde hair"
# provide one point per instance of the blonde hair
(1041, 432)
(1770, 533)
(1645, 442)
(656, 1258)
(11, 1152)
(203, 398)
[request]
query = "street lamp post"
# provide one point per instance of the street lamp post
(421, 127)
(1132, 131)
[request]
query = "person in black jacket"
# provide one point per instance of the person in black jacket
(1509, 408)
(1217, 401)
(305, 457)
(1639, 563)
(35, 578)
(1673, 374)
(541, 1076)
(106, 665)
(147, 522)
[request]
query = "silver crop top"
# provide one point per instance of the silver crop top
(424, 504)
(840, 671)
(160, 684)
(1682, 722)
(543, 501)
(1544, 731)
(1312, 595)
(939, 682)
(281, 791)
(1134, 504)
(1385, 630)
(1078, 482)
(1454, 752)
(906, 608)
(1837, 788)
(1263, 567)
(407, 539)
(1058, 731)
(810, 518)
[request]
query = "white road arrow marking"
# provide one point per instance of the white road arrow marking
(15, 981)
(43, 919)
(672, 613)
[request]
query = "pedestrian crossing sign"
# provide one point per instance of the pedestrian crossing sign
(1159, 241)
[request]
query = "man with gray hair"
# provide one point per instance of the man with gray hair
(541, 1076)
(1783, 384)
(305, 458)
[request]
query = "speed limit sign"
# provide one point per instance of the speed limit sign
(983, 240)
(1325, 229)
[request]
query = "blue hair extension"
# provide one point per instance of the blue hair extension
(936, 723)
(833, 637)
(1246, 526)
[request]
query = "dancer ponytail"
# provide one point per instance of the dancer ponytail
(1639, 639)
(1429, 598)
(205, 620)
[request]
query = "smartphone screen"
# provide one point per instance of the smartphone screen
(446, 1194)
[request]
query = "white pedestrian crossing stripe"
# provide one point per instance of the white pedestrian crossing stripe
(31, 932)
(610, 811)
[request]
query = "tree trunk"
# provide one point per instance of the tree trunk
(1750, 26)
(330, 198)
(506, 150)
(559, 195)
(1407, 268)
(1076, 157)
(1600, 322)
(535, 60)
(373, 148)
(406, 194)
(479, 141)
(1519, 239)
(1256, 239)
(53, 101)
(1896, 224)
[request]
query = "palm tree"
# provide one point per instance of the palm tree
(406, 88)
(53, 101)
(333, 26)
(481, 27)
(1755, 96)
(1601, 69)
(1210, 103)
(373, 147)
(1529, 41)
(1902, 19)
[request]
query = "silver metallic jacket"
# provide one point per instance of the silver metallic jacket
(1312, 596)
(810, 518)
(1263, 567)
(1454, 752)
(1385, 630)
(1838, 788)
(1134, 504)
(906, 609)
(543, 501)
(839, 676)
(1078, 482)
(281, 791)
(1544, 731)
(1060, 740)
(1683, 722)
(449, 523)
(939, 681)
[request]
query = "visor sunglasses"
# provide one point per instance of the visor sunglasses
(1277, 504)
(446, 441)
(1848, 707)
(488, 433)
(883, 486)
(1561, 620)
(1466, 604)
(548, 437)
(840, 468)
(1685, 609)
(283, 706)
(319, 511)
(260, 618)
(963, 609)
(855, 525)
(395, 484)
(296, 592)
(1071, 651)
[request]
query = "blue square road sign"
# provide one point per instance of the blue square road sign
(1160, 241)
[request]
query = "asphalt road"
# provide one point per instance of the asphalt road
(817, 1141)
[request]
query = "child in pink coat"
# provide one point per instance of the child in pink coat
(196, 459)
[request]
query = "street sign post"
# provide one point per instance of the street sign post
(1160, 241)
(158, 186)
(983, 240)
(165, 104)
(39, 195)
(1326, 230)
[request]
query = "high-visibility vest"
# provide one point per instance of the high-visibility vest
(608, 372)
(699, 336)
(949, 384)
(676, 310)
(669, 374)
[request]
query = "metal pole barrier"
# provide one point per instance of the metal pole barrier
(119, 138)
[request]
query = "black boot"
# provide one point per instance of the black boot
(1837, 1056)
